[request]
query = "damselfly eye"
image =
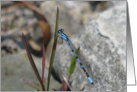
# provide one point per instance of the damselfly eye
(58, 32)
(62, 30)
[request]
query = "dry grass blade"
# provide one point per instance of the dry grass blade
(53, 49)
(32, 63)
(46, 30)
(64, 86)
(43, 62)
(31, 83)
(82, 89)
(66, 81)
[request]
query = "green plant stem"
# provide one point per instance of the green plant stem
(53, 49)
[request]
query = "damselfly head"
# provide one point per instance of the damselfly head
(60, 31)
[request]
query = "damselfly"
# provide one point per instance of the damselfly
(79, 57)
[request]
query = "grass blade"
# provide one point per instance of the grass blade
(73, 64)
(32, 62)
(64, 86)
(31, 83)
(53, 48)
(66, 82)
(43, 61)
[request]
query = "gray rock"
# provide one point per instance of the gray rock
(103, 44)
(15, 67)
(71, 14)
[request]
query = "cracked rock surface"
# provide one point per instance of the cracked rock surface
(103, 44)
